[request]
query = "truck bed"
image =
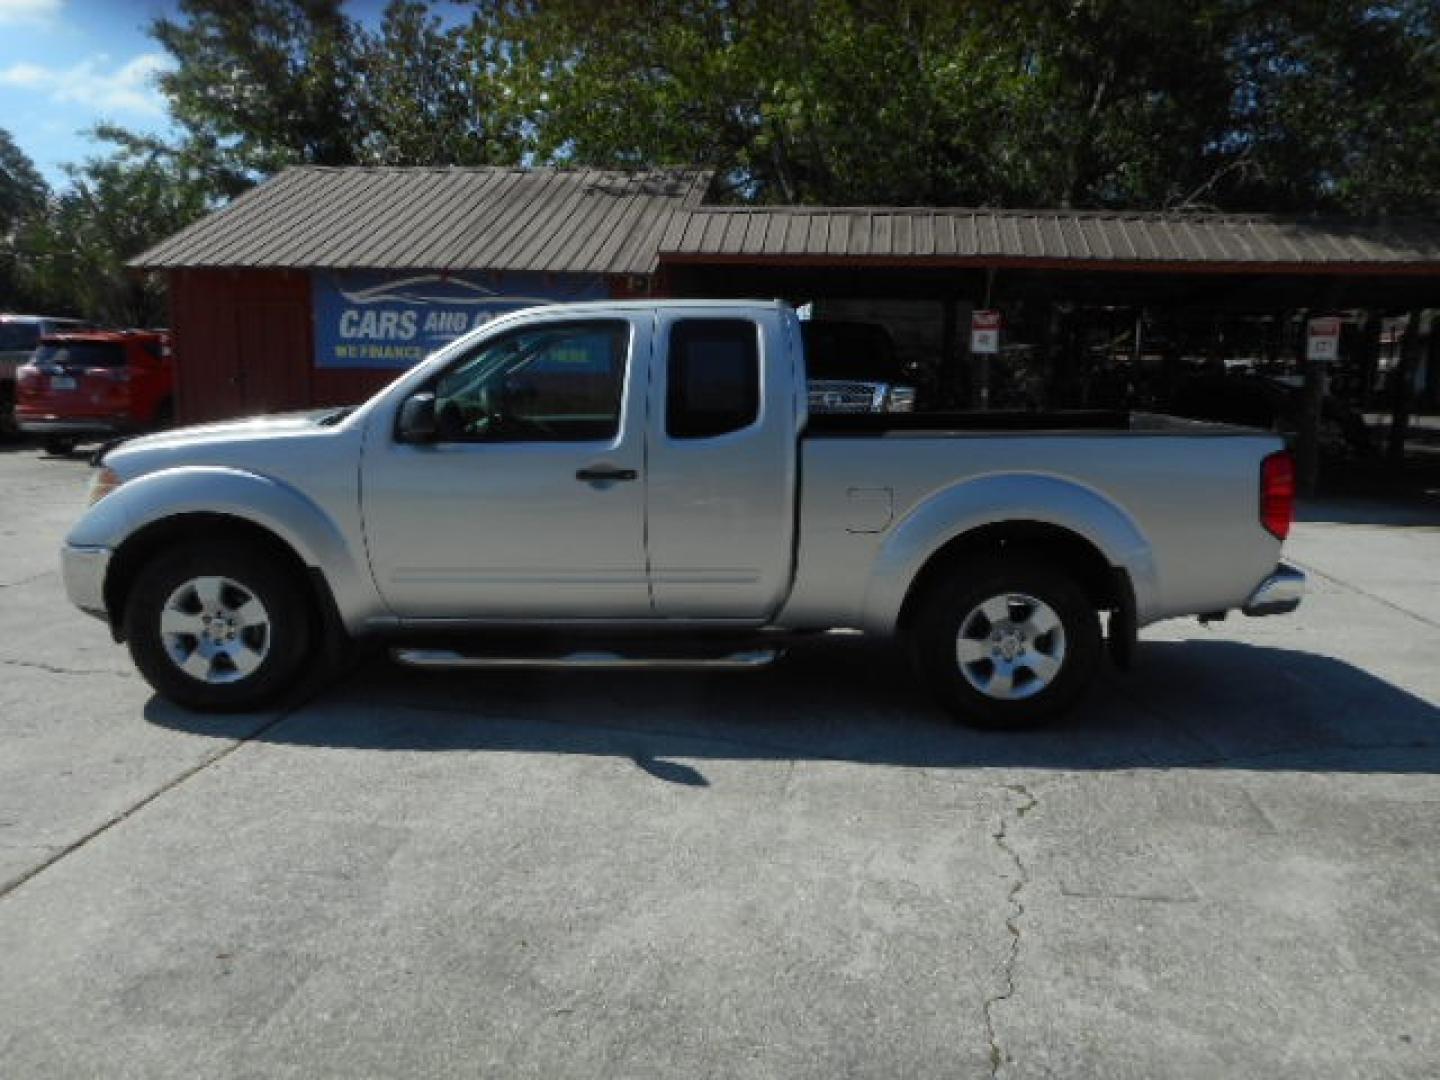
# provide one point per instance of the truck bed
(1189, 490)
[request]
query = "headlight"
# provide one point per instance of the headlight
(103, 482)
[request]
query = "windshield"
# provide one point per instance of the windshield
(80, 354)
(18, 336)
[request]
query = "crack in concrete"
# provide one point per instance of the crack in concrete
(1012, 922)
(55, 669)
(27, 580)
(1342, 583)
(66, 850)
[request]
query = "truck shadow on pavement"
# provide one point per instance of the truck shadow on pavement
(1189, 704)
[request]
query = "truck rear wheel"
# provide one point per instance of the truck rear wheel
(217, 627)
(1007, 642)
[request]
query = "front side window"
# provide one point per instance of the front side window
(713, 377)
(561, 382)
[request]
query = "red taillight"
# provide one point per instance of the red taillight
(1277, 494)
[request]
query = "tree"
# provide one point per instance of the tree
(428, 95)
(263, 84)
(791, 101)
(1306, 105)
(1311, 104)
(72, 257)
(22, 194)
(22, 189)
(1338, 106)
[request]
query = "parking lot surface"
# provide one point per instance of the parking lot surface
(1227, 863)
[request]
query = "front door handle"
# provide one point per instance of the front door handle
(596, 473)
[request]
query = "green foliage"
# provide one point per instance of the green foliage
(1339, 106)
(428, 95)
(22, 189)
(1329, 105)
(71, 258)
(270, 83)
(262, 84)
(1314, 104)
(22, 194)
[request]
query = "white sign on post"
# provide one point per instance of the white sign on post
(1322, 343)
(985, 332)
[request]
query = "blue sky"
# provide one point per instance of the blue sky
(66, 65)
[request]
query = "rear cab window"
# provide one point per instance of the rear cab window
(18, 336)
(712, 377)
(80, 354)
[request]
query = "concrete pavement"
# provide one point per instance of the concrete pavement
(1225, 864)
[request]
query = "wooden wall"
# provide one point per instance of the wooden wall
(244, 345)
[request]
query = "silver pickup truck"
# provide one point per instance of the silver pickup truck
(642, 479)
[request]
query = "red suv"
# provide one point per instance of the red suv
(95, 383)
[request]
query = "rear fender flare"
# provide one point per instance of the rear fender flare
(994, 500)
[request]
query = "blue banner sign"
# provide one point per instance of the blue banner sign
(390, 319)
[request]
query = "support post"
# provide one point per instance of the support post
(1312, 400)
(1369, 357)
(948, 382)
(1052, 347)
(1432, 365)
(1402, 390)
(980, 393)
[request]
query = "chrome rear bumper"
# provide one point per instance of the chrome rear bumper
(1278, 594)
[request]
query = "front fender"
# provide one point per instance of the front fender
(995, 500)
(262, 500)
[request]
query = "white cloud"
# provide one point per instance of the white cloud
(29, 11)
(92, 83)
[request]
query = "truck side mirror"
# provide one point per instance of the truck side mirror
(417, 419)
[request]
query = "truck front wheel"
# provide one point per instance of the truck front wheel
(218, 627)
(1007, 642)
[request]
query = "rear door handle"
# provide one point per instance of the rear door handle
(606, 474)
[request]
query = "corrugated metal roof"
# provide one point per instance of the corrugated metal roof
(921, 233)
(492, 218)
(617, 222)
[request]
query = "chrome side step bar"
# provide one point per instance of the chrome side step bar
(593, 659)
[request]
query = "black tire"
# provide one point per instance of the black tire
(60, 447)
(953, 599)
(164, 416)
(288, 631)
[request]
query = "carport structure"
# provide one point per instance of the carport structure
(1082, 287)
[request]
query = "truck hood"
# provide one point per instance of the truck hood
(223, 443)
(227, 430)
